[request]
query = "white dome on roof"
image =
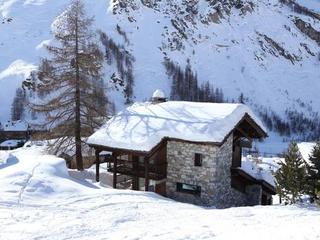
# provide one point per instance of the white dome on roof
(158, 94)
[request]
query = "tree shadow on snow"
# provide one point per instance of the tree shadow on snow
(78, 177)
(308, 206)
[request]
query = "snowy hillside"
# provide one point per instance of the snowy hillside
(268, 49)
(39, 200)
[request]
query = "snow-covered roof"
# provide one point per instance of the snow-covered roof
(19, 125)
(256, 170)
(143, 125)
(10, 143)
(305, 149)
(158, 94)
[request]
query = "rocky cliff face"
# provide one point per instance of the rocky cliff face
(233, 43)
(265, 50)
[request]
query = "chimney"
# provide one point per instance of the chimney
(158, 97)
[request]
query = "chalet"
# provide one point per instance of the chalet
(13, 134)
(11, 144)
(187, 151)
(14, 130)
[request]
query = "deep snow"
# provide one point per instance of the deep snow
(39, 200)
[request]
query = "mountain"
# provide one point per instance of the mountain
(267, 51)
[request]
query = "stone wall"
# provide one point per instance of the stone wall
(214, 176)
(224, 195)
(180, 159)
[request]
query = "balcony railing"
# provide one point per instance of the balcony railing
(156, 171)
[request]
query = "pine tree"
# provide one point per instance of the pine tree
(17, 107)
(291, 175)
(71, 81)
(241, 98)
(124, 60)
(313, 168)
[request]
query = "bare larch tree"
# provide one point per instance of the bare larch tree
(70, 85)
(17, 107)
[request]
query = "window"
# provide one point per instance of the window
(187, 188)
(198, 159)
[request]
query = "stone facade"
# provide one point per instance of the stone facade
(214, 176)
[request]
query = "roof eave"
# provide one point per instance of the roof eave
(118, 150)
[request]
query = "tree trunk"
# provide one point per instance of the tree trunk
(77, 133)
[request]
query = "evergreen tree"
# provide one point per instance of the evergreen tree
(123, 60)
(291, 175)
(241, 98)
(71, 83)
(18, 105)
(313, 168)
(185, 85)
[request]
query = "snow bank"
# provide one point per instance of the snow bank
(142, 126)
(39, 200)
(4, 155)
(28, 173)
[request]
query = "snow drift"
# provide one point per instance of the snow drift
(38, 200)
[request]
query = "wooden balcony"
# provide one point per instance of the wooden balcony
(137, 169)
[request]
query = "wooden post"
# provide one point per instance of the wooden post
(97, 165)
(114, 158)
(135, 168)
(146, 174)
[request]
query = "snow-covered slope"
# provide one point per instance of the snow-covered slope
(306, 149)
(39, 200)
(249, 46)
(28, 175)
(310, 4)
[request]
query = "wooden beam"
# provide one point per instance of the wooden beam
(146, 174)
(256, 126)
(243, 133)
(114, 157)
(97, 152)
(119, 150)
(245, 144)
(135, 168)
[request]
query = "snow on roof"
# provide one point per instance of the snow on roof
(10, 143)
(19, 125)
(158, 94)
(143, 125)
(257, 171)
(305, 149)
